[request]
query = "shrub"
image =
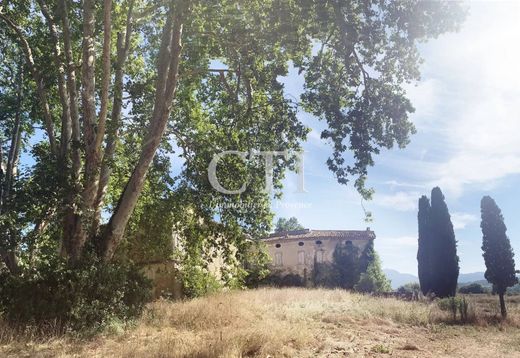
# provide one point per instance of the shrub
(280, 279)
(412, 287)
(198, 282)
(87, 296)
(456, 305)
(324, 275)
(473, 288)
(374, 279)
(256, 264)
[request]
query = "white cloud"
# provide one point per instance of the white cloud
(401, 200)
(461, 220)
(475, 97)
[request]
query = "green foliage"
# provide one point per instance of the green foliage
(355, 81)
(473, 288)
(290, 224)
(352, 270)
(346, 264)
(85, 297)
(281, 279)
(324, 274)
(444, 247)
(412, 287)
(498, 254)
(256, 264)
(455, 305)
(437, 253)
(379, 348)
(373, 279)
(197, 281)
(425, 251)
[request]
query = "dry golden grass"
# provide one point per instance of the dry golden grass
(291, 323)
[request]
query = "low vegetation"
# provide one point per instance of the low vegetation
(293, 322)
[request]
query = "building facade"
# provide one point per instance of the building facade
(296, 251)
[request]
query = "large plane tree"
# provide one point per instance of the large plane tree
(123, 86)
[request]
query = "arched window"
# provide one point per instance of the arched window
(277, 246)
(318, 242)
(301, 243)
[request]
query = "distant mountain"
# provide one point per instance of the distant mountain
(471, 277)
(398, 279)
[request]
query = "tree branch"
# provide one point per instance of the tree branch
(42, 93)
(106, 167)
(167, 72)
(66, 122)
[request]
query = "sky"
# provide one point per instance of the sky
(468, 134)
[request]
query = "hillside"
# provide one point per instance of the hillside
(288, 323)
(399, 278)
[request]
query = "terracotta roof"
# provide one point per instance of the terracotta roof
(322, 234)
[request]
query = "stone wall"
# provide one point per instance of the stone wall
(298, 258)
(165, 279)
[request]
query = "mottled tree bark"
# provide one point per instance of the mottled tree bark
(123, 47)
(167, 77)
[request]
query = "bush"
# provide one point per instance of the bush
(280, 279)
(256, 264)
(324, 275)
(456, 305)
(198, 282)
(85, 297)
(412, 287)
(473, 288)
(374, 279)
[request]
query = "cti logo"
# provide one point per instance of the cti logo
(269, 159)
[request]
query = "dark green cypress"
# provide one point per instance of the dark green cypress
(424, 251)
(498, 254)
(445, 261)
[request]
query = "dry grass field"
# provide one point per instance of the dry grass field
(292, 323)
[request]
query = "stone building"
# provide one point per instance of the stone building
(296, 251)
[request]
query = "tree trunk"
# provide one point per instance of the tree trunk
(10, 261)
(70, 202)
(123, 47)
(502, 305)
(7, 252)
(168, 66)
(77, 225)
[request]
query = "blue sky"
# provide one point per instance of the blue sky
(468, 122)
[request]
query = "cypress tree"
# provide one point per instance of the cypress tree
(424, 251)
(445, 262)
(498, 254)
